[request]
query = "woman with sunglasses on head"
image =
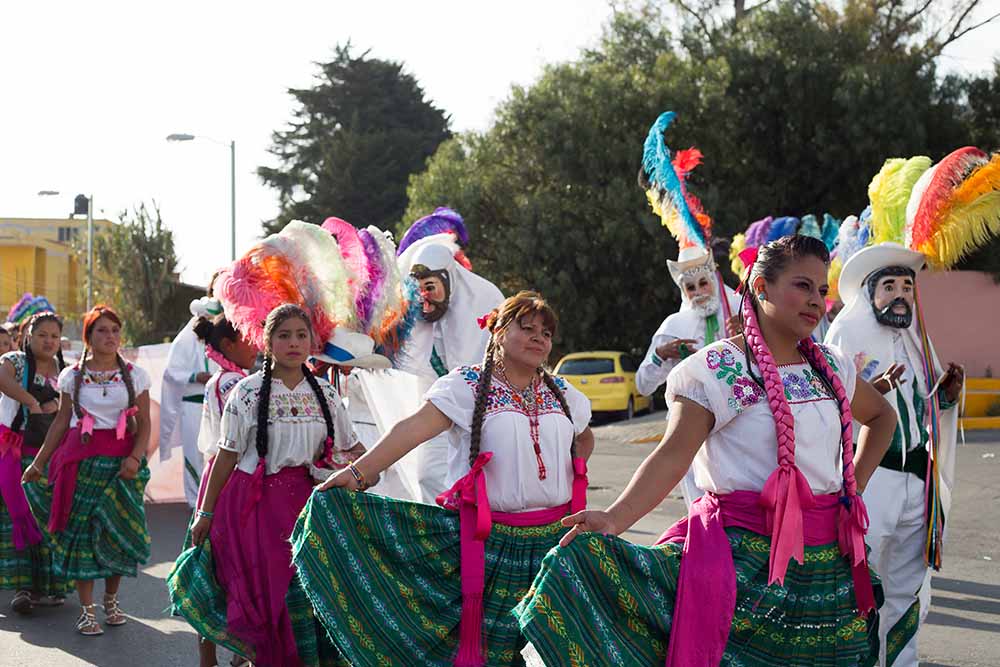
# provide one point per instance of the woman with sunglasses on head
(96, 453)
(769, 567)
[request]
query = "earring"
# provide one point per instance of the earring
(762, 297)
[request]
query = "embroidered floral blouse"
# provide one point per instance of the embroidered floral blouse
(217, 390)
(103, 394)
(512, 475)
(296, 428)
(741, 451)
(9, 406)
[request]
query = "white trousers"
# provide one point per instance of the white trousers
(895, 502)
(193, 458)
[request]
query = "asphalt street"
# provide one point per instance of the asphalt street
(963, 627)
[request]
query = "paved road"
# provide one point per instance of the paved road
(963, 627)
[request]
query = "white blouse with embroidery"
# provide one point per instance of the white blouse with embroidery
(217, 390)
(512, 474)
(741, 451)
(296, 428)
(8, 405)
(103, 394)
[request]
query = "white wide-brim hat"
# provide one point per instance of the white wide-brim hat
(206, 306)
(687, 259)
(868, 260)
(349, 348)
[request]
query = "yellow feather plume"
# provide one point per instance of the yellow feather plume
(738, 245)
(967, 227)
(833, 279)
(889, 192)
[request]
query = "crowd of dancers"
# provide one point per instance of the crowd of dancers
(382, 470)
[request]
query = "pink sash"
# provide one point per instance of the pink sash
(66, 462)
(706, 587)
(24, 529)
(469, 496)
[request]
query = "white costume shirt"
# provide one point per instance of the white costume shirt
(296, 428)
(185, 360)
(512, 475)
(217, 390)
(103, 394)
(8, 406)
(741, 451)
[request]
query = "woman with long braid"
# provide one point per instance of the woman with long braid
(97, 447)
(406, 583)
(769, 567)
(282, 429)
(27, 408)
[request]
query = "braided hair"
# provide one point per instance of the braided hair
(30, 365)
(771, 261)
(124, 368)
(275, 319)
(513, 309)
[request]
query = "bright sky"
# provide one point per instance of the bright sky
(90, 90)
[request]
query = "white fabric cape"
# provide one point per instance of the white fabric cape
(186, 356)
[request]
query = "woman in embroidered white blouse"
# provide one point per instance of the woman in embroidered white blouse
(282, 429)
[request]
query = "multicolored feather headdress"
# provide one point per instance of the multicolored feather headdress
(442, 221)
(770, 229)
(302, 265)
(664, 178)
(27, 306)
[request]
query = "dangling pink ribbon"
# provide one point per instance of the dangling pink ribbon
(122, 424)
(87, 424)
(851, 529)
(578, 501)
(327, 458)
(469, 496)
(785, 494)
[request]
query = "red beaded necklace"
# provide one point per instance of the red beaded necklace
(529, 401)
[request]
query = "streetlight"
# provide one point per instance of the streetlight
(232, 182)
(82, 204)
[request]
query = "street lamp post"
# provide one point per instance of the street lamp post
(232, 182)
(83, 204)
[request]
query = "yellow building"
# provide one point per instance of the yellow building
(37, 256)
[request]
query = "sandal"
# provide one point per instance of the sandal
(87, 623)
(113, 614)
(21, 602)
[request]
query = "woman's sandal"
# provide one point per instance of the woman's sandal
(87, 623)
(113, 614)
(21, 602)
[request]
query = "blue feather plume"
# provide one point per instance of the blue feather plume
(810, 227)
(785, 226)
(442, 221)
(663, 179)
(831, 228)
(864, 226)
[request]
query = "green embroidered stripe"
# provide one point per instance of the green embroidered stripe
(902, 632)
(190, 469)
(31, 568)
(106, 534)
(605, 601)
(383, 578)
(711, 328)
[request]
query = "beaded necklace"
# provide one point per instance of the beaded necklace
(529, 401)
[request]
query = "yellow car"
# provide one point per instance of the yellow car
(607, 379)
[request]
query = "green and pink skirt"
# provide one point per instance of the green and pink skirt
(383, 577)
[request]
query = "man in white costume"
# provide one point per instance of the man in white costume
(445, 337)
(187, 371)
(699, 321)
(879, 331)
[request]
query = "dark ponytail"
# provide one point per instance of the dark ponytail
(215, 330)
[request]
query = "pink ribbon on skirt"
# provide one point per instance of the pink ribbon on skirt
(66, 462)
(470, 497)
(706, 586)
(24, 528)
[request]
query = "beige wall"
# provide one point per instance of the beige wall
(962, 309)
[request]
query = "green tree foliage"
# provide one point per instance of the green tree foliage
(135, 273)
(355, 138)
(795, 106)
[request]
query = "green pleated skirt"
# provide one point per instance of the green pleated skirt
(383, 577)
(605, 601)
(30, 569)
(106, 534)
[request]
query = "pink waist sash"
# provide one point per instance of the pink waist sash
(66, 462)
(469, 496)
(706, 587)
(24, 529)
